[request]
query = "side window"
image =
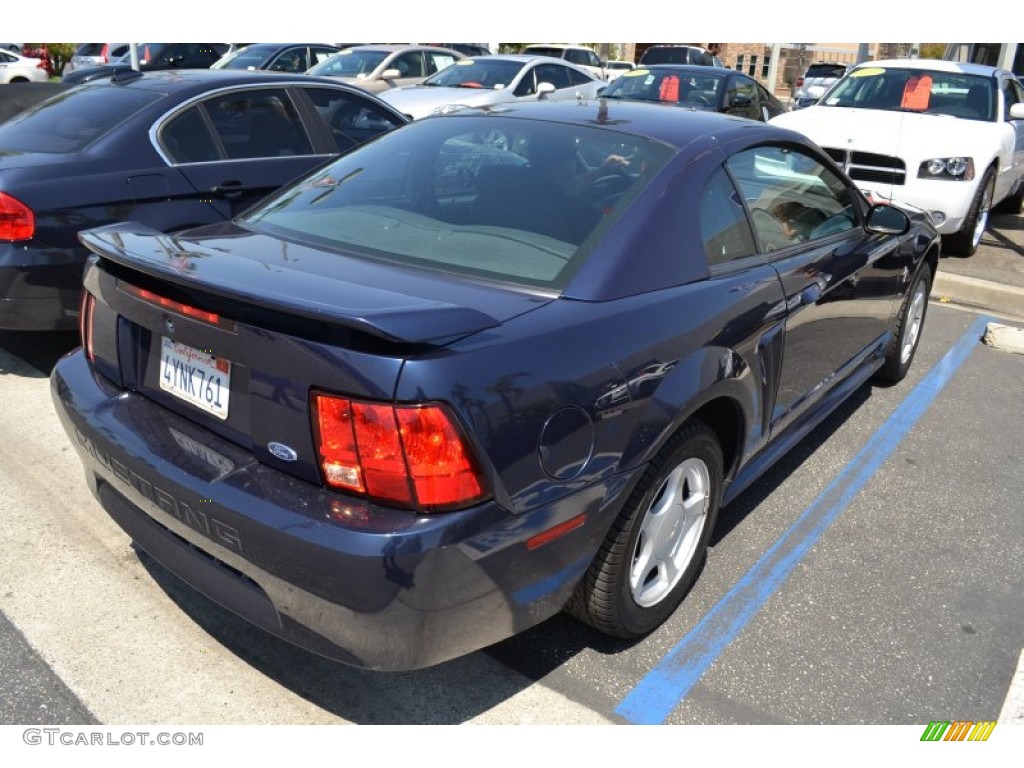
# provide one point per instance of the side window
(1011, 96)
(409, 65)
(187, 139)
(258, 123)
(576, 57)
(292, 60)
(578, 78)
(741, 98)
(527, 86)
(792, 197)
(592, 59)
(723, 222)
(438, 61)
(557, 75)
(351, 119)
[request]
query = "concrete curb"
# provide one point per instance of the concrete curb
(1004, 299)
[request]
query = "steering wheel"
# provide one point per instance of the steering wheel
(704, 101)
(603, 191)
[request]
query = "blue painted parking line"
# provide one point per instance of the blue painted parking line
(665, 686)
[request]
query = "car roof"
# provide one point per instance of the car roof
(936, 65)
(676, 128)
(187, 81)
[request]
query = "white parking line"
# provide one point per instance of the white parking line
(1013, 707)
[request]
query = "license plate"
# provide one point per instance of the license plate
(196, 377)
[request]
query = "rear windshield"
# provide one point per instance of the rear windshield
(72, 120)
(497, 198)
(825, 70)
(675, 55)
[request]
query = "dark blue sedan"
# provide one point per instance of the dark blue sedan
(492, 365)
(170, 149)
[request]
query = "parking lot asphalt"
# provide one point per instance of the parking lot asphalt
(903, 607)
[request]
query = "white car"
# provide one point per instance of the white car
(616, 69)
(945, 137)
(377, 68)
(580, 55)
(15, 68)
(490, 80)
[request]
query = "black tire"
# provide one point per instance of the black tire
(965, 242)
(904, 345)
(610, 597)
(1014, 203)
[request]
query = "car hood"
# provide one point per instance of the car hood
(392, 302)
(898, 134)
(421, 100)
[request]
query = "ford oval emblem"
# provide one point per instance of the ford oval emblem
(282, 451)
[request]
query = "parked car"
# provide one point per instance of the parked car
(89, 55)
(614, 69)
(580, 55)
(679, 54)
(153, 57)
(942, 136)
(818, 78)
(437, 391)
(171, 149)
(698, 87)
(376, 68)
(277, 57)
(15, 68)
(494, 80)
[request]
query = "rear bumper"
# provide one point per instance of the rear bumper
(40, 287)
(367, 586)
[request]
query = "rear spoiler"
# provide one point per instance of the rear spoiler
(324, 299)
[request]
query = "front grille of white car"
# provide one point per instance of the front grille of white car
(867, 166)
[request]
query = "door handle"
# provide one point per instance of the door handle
(230, 189)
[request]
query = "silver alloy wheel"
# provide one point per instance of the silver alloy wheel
(671, 529)
(913, 321)
(982, 221)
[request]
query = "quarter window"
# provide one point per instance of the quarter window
(723, 222)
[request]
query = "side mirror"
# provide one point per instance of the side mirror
(543, 89)
(887, 220)
(390, 74)
(1017, 112)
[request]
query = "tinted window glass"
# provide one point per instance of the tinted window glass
(350, 63)
(497, 198)
(72, 120)
(793, 198)
(187, 139)
(258, 123)
(352, 120)
(825, 70)
(723, 222)
(554, 74)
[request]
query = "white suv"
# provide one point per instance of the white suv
(579, 55)
(944, 137)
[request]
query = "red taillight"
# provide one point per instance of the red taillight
(799, 82)
(408, 456)
(17, 222)
(175, 306)
(85, 316)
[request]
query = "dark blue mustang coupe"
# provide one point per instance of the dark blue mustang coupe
(490, 366)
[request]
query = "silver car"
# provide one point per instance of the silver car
(491, 80)
(377, 68)
(818, 78)
(95, 55)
